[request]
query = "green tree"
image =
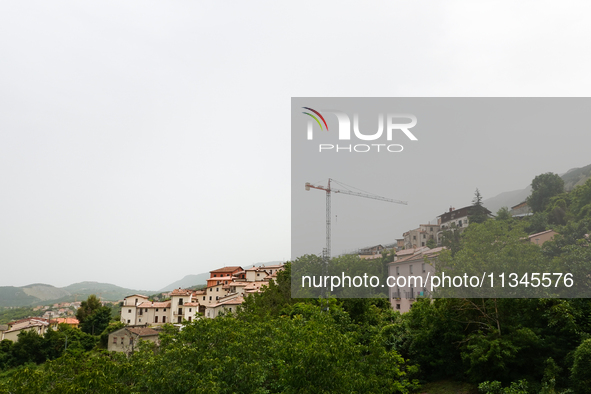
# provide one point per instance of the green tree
(96, 323)
(478, 213)
(452, 239)
(504, 214)
(544, 187)
(88, 307)
(581, 373)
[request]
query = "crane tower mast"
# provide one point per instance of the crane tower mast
(329, 190)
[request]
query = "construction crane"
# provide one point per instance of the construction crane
(329, 190)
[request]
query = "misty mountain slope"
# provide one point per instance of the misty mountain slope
(506, 199)
(42, 294)
(45, 292)
(572, 178)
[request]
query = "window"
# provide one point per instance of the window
(460, 223)
(122, 338)
(258, 274)
(217, 289)
(155, 319)
(163, 319)
(214, 275)
(410, 269)
(230, 309)
(424, 236)
(397, 270)
(180, 301)
(140, 320)
(146, 309)
(189, 309)
(114, 340)
(129, 311)
(398, 306)
(180, 311)
(164, 310)
(414, 237)
(210, 298)
(423, 267)
(189, 318)
(131, 341)
(217, 298)
(156, 309)
(422, 244)
(203, 298)
(431, 229)
(128, 321)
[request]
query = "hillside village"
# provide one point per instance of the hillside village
(225, 290)
(227, 287)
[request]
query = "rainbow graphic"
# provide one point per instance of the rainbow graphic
(315, 118)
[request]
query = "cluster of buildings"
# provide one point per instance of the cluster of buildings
(39, 325)
(224, 292)
(424, 244)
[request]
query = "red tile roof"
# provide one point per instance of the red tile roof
(227, 269)
(65, 320)
(148, 304)
(182, 292)
(143, 331)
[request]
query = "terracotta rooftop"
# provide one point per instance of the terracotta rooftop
(12, 323)
(137, 295)
(221, 278)
(64, 320)
(181, 292)
(538, 234)
(148, 304)
(227, 269)
(143, 331)
(233, 301)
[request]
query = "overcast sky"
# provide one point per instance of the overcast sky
(144, 141)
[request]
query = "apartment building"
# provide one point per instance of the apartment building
(415, 267)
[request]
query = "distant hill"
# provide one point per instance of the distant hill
(506, 199)
(201, 279)
(15, 296)
(576, 177)
(187, 281)
(38, 294)
(572, 178)
(106, 291)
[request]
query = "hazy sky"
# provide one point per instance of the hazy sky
(143, 141)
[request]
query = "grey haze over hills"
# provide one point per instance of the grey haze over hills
(572, 178)
(201, 279)
(42, 294)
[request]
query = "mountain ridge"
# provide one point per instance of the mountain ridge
(572, 178)
(40, 293)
